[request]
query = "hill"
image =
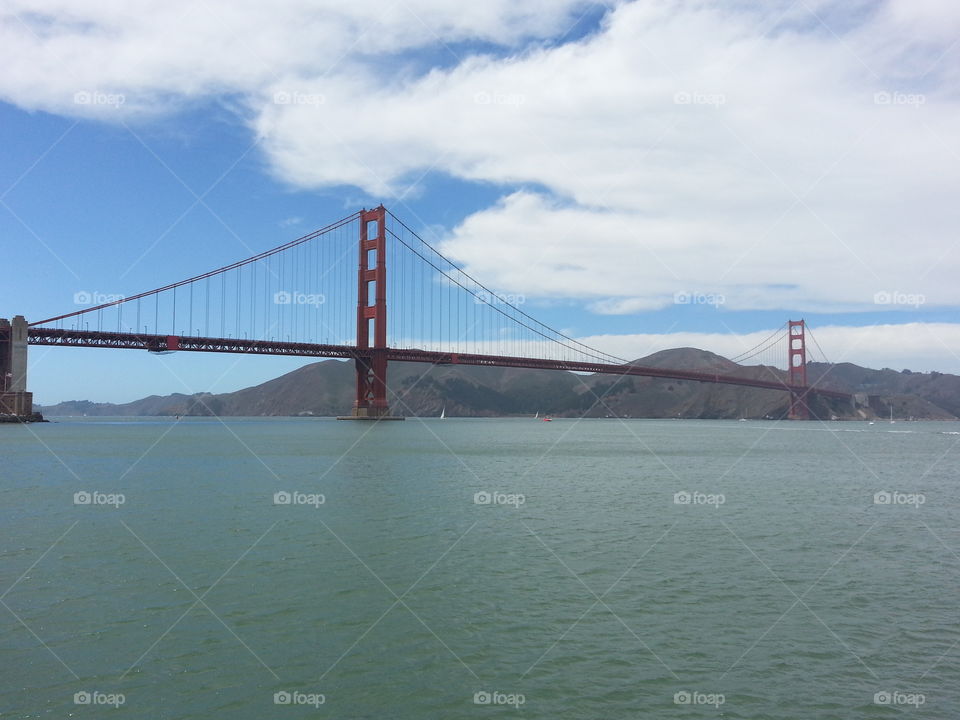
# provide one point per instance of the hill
(325, 388)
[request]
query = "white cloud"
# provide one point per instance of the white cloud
(920, 347)
(785, 155)
(681, 150)
(158, 53)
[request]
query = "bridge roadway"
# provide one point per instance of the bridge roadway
(188, 343)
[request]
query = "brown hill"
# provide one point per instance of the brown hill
(326, 388)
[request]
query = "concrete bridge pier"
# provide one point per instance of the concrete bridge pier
(15, 401)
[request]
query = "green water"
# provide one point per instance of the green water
(582, 590)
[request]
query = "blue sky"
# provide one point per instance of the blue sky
(600, 160)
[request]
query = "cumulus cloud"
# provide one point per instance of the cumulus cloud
(684, 147)
(893, 346)
(160, 53)
(780, 154)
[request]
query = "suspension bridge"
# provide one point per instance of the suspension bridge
(328, 295)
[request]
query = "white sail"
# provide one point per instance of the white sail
(443, 413)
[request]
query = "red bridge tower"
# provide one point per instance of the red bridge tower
(371, 367)
(797, 369)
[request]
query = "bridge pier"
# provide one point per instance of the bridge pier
(371, 401)
(15, 402)
(799, 410)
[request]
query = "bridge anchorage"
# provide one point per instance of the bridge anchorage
(15, 402)
(297, 299)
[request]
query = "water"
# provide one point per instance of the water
(595, 594)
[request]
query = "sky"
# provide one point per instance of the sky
(643, 174)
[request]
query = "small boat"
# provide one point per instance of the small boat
(547, 419)
(870, 423)
(537, 415)
(743, 419)
(443, 413)
(892, 421)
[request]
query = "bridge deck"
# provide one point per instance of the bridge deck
(166, 343)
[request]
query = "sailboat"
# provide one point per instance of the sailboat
(537, 415)
(892, 421)
(443, 413)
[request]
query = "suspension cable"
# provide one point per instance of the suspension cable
(761, 346)
(822, 353)
(581, 347)
(224, 269)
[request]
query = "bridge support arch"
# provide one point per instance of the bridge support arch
(14, 398)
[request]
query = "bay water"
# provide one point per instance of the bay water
(254, 568)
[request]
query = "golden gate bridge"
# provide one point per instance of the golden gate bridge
(328, 294)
